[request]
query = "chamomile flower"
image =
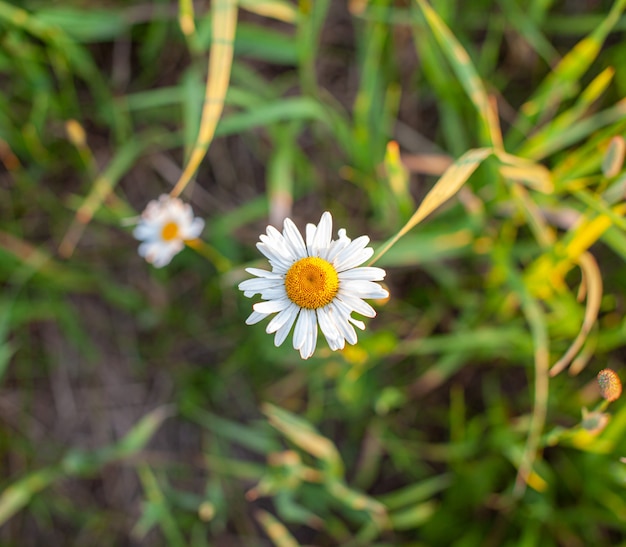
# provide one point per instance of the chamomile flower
(313, 282)
(164, 227)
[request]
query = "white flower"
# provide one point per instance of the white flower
(317, 282)
(164, 227)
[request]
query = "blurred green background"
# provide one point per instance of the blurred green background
(137, 408)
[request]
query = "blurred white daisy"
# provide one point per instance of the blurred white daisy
(313, 282)
(164, 227)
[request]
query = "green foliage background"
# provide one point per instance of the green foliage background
(137, 408)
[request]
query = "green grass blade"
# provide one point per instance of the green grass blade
(16, 496)
(570, 126)
(466, 74)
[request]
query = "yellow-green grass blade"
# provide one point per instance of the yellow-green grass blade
(466, 74)
(19, 493)
(102, 188)
(157, 511)
(302, 434)
(562, 82)
(357, 500)
(586, 161)
(547, 274)
(415, 493)
(275, 530)
(84, 25)
(224, 24)
(613, 160)
(531, 174)
(186, 21)
(568, 126)
(36, 260)
(411, 518)
(275, 9)
(85, 463)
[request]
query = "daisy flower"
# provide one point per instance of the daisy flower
(313, 283)
(164, 227)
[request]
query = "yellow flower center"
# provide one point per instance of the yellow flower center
(311, 283)
(169, 231)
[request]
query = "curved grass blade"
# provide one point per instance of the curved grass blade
(224, 24)
(547, 273)
(592, 279)
(532, 174)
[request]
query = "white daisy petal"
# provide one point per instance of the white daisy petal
(255, 317)
(282, 333)
(263, 273)
(354, 254)
(144, 248)
(259, 285)
(356, 304)
(145, 231)
(310, 333)
(330, 329)
(341, 321)
(277, 261)
(271, 306)
(315, 282)
(321, 239)
(338, 245)
(299, 333)
(365, 289)
(357, 323)
(367, 273)
(194, 229)
(165, 224)
(293, 236)
(282, 318)
(273, 293)
(310, 234)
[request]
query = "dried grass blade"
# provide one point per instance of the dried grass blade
(224, 24)
(448, 185)
(592, 279)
